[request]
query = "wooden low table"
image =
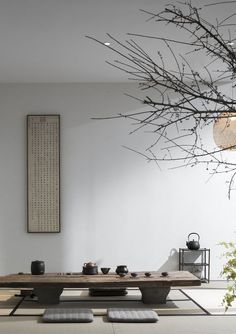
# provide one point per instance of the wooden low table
(48, 287)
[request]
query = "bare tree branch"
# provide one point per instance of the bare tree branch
(182, 101)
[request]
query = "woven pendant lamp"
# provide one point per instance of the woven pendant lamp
(224, 131)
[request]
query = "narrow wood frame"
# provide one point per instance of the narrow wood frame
(43, 174)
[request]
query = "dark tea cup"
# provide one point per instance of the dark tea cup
(134, 274)
(105, 270)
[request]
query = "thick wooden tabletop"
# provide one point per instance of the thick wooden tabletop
(78, 280)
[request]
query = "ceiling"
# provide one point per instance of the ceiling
(44, 40)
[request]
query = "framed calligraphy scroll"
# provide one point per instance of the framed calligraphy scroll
(43, 173)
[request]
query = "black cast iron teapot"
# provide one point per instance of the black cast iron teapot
(193, 244)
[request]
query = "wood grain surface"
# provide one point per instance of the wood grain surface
(78, 280)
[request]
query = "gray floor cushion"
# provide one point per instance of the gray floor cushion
(67, 315)
(131, 315)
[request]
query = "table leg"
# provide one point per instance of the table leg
(154, 295)
(48, 295)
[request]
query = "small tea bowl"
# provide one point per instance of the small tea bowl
(122, 274)
(105, 270)
(147, 274)
(134, 274)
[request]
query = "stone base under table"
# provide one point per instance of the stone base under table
(51, 295)
(48, 295)
(154, 295)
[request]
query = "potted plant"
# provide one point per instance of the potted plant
(229, 272)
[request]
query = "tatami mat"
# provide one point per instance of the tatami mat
(29, 325)
(177, 303)
(181, 325)
(165, 325)
(180, 316)
(211, 300)
(8, 301)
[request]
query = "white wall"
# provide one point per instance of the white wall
(115, 208)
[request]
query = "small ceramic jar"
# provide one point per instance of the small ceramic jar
(122, 269)
(37, 267)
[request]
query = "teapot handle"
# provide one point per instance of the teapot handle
(194, 233)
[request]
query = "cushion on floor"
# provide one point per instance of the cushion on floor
(131, 315)
(67, 315)
(107, 292)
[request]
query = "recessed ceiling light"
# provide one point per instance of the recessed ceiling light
(107, 43)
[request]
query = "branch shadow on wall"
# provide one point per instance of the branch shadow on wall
(172, 262)
(191, 258)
